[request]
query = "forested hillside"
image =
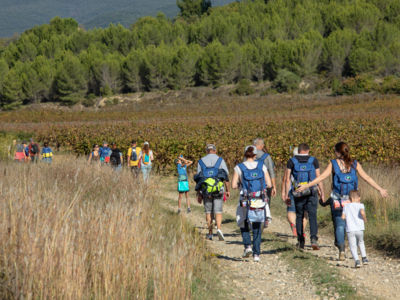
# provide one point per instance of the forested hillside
(276, 40)
(18, 15)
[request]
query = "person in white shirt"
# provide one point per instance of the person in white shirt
(354, 214)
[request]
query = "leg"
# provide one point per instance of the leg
(208, 210)
(218, 220)
(351, 236)
(300, 203)
(179, 200)
(360, 242)
(340, 226)
(305, 221)
(257, 231)
(311, 207)
(187, 199)
(246, 235)
(209, 223)
(218, 211)
(291, 215)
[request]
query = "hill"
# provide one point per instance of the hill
(18, 15)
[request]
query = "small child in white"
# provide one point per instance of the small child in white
(354, 214)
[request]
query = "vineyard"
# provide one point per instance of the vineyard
(369, 125)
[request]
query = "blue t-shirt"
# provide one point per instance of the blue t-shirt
(182, 173)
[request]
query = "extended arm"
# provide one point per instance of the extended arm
(370, 181)
(320, 185)
(320, 178)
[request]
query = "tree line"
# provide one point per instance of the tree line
(253, 40)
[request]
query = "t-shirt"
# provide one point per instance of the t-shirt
(182, 173)
(115, 157)
(302, 158)
(210, 160)
(354, 220)
(268, 163)
(142, 154)
(131, 162)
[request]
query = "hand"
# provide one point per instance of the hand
(227, 194)
(384, 193)
(288, 201)
(302, 188)
(273, 193)
(199, 198)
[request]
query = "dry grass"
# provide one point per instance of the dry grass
(76, 232)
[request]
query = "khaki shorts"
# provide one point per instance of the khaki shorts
(213, 205)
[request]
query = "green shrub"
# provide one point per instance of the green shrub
(286, 81)
(243, 88)
(88, 102)
(353, 85)
(391, 85)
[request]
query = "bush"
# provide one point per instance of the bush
(286, 81)
(243, 88)
(89, 101)
(353, 85)
(391, 85)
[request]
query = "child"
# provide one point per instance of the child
(47, 153)
(183, 183)
(354, 214)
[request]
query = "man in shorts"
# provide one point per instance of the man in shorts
(213, 204)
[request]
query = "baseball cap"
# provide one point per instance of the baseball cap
(211, 147)
(254, 149)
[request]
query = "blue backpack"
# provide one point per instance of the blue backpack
(343, 183)
(263, 157)
(303, 173)
(253, 187)
(209, 182)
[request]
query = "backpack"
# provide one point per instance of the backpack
(303, 173)
(134, 155)
(146, 158)
(343, 183)
(210, 180)
(34, 149)
(253, 188)
(115, 158)
(263, 157)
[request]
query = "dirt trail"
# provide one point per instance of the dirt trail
(273, 278)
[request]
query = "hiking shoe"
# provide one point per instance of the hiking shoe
(300, 245)
(342, 257)
(256, 258)
(189, 210)
(358, 264)
(179, 211)
(220, 235)
(365, 261)
(247, 252)
(209, 237)
(314, 245)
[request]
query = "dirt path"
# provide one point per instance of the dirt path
(273, 278)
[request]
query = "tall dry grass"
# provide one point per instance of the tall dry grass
(71, 231)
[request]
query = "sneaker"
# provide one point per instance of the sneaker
(358, 264)
(300, 245)
(256, 258)
(179, 211)
(189, 210)
(209, 237)
(314, 245)
(365, 261)
(220, 235)
(247, 252)
(342, 257)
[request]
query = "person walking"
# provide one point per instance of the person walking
(253, 178)
(19, 153)
(105, 154)
(47, 153)
(115, 158)
(212, 181)
(133, 158)
(291, 208)
(354, 215)
(303, 168)
(344, 171)
(34, 151)
(94, 156)
(183, 182)
(146, 158)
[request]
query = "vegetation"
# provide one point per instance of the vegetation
(86, 235)
(253, 40)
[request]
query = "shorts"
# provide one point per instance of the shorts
(183, 186)
(213, 205)
(292, 207)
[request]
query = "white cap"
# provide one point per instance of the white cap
(211, 147)
(254, 149)
(145, 143)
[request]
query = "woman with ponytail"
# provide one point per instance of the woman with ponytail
(344, 171)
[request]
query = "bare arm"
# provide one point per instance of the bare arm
(287, 184)
(128, 157)
(90, 158)
(364, 216)
(320, 185)
(370, 181)
(268, 180)
(235, 181)
(320, 178)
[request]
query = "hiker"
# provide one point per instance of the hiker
(183, 181)
(354, 215)
(291, 208)
(94, 156)
(146, 160)
(253, 178)
(19, 154)
(304, 169)
(47, 153)
(105, 153)
(34, 151)
(26, 149)
(212, 183)
(344, 170)
(133, 158)
(115, 158)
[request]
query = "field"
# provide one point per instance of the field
(94, 234)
